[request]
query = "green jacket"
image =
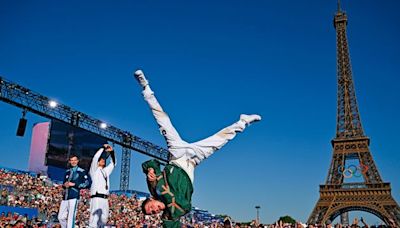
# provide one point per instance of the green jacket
(175, 193)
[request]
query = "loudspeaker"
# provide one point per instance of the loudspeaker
(21, 127)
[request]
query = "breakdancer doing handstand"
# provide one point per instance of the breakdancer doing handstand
(171, 188)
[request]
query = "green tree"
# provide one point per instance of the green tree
(287, 219)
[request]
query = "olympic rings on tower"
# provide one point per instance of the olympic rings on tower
(353, 170)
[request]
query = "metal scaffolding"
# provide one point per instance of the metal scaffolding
(31, 101)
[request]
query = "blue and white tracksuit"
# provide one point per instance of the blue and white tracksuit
(69, 204)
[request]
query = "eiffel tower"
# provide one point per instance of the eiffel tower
(372, 194)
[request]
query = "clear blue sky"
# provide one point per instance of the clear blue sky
(208, 62)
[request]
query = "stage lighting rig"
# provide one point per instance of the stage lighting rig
(36, 103)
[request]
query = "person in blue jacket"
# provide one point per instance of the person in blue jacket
(75, 179)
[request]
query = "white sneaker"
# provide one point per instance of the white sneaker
(248, 119)
(141, 78)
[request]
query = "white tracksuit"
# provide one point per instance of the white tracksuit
(67, 212)
(188, 155)
(99, 207)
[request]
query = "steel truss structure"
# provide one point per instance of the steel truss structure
(34, 102)
(337, 197)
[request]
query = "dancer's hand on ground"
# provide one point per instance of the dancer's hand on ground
(151, 176)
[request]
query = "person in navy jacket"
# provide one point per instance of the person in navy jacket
(75, 179)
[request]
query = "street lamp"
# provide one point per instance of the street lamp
(258, 214)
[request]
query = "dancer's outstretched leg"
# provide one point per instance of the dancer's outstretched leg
(206, 147)
(175, 143)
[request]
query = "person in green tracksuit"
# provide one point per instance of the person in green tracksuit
(172, 188)
(171, 191)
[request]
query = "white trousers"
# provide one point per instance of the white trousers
(188, 155)
(98, 212)
(67, 213)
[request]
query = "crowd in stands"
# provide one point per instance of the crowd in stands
(29, 191)
(26, 190)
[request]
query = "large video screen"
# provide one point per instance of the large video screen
(65, 139)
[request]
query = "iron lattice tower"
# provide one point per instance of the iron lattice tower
(336, 197)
